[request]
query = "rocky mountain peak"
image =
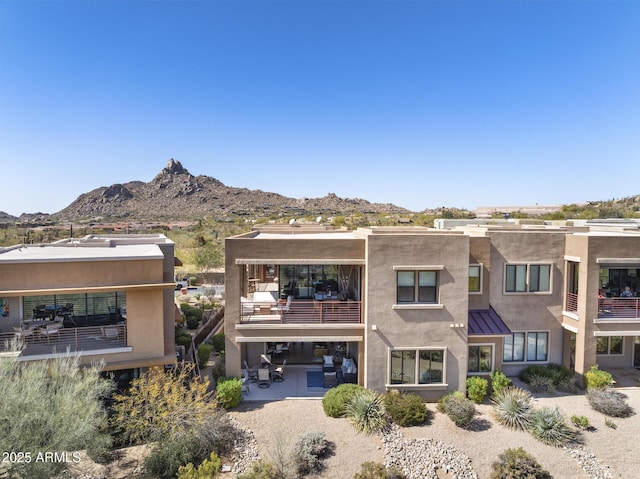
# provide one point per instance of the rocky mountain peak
(174, 168)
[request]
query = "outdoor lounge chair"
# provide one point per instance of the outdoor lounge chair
(109, 333)
(330, 379)
(51, 329)
(264, 378)
(252, 373)
(277, 375)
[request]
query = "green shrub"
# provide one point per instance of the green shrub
(192, 323)
(335, 400)
(568, 385)
(597, 379)
(193, 280)
(309, 451)
(229, 392)
(406, 409)
(262, 470)
(541, 384)
(513, 408)
(581, 422)
(365, 410)
(218, 343)
(549, 426)
(204, 351)
(609, 402)
(165, 459)
(499, 381)
(183, 339)
(459, 409)
(374, 470)
(209, 469)
(477, 388)
(518, 464)
(609, 422)
(556, 372)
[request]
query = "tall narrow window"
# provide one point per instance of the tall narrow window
(475, 282)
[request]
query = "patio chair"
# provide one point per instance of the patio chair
(252, 372)
(264, 378)
(23, 333)
(330, 379)
(51, 329)
(109, 333)
(277, 375)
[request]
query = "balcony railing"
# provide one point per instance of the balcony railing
(619, 308)
(303, 311)
(571, 303)
(73, 339)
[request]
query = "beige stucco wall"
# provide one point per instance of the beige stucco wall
(535, 312)
(480, 253)
(419, 328)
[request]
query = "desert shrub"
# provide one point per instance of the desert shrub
(459, 409)
(335, 400)
(218, 343)
(609, 423)
(406, 409)
(609, 402)
(581, 422)
(597, 379)
(204, 351)
(193, 281)
(169, 455)
(499, 381)
(262, 470)
(513, 408)
(183, 339)
(192, 323)
(541, 384)
(548, 425)
(309, 451)
(209, 469)
(375, 470)
(556, 372)
(366, 412)
(229, 392)
(518, 464)
(477, 388)
(568, 385)
(191, 312)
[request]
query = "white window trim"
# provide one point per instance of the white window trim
(493, 359)
(419, 267)
(526, 335)
(481, 265)
(442, 385)
(528, 265)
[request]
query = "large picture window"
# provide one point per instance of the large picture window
(417, 287)
(533, 346)
(527, 278)
(417, 366)
(609, 345)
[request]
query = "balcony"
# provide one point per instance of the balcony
(86, 340)
(618, 308)
(302, 312)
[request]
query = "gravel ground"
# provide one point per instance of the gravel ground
(277, 425)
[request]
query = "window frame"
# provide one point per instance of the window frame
(417, 286)
(417, 369)
(525, 347)
(480, 267)
(471, 372)
(528, 278)
(608, 351)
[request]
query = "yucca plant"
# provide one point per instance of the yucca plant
(550, 427)
(513, 407)
(366, 412)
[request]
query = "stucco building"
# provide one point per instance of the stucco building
(421, 309)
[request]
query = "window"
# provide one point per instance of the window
(480, 359)
(475, 278)
(536, 346)
(609, 345)
(427, 369)
(417, 286)
(527, 278)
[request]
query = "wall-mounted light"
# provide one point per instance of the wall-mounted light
(374, 327)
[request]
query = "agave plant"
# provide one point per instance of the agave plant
(549, 426)
(366, 411)
(513, 407)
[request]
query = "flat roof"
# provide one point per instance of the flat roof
(308, 235)
(75, 252)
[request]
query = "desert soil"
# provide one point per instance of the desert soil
(277, 425)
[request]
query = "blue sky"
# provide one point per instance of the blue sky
(418, 103)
